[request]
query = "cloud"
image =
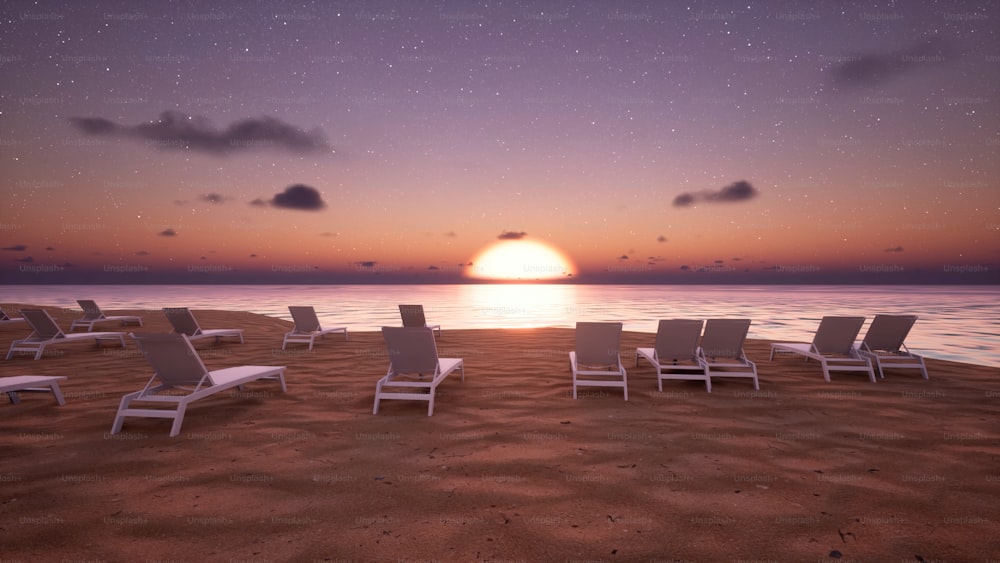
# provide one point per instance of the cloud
(432, 267)
(259, 202)
(16, 247)
(894, 249)
(685, 268)
(661, 238)
(450, 234)
(512, 235)
(50, 248)
(179, 131)
(142, 253)
(874, 68)
(167, 233)
(737, 191)
(366, 264)
(299, 196)
(213, 198)
(623, 257)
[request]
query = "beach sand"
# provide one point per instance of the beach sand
(509, 468)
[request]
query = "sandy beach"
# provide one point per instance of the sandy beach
(509, 468)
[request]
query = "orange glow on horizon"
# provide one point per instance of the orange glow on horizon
(521, 260)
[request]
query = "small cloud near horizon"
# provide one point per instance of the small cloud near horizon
(894, 249)
(167, 233)
(737, 191)
(512, 235)
(16, 247)
(213, 198)
(300, 197)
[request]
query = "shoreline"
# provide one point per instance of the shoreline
(510, 467)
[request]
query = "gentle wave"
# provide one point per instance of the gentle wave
(959, 323)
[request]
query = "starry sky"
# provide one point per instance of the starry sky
(367, 142)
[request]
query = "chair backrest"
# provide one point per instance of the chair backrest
(411, 349)
(836, 335)
(724, 338)
(677, 339)
(91, 311)
(174, 360)
(43, 324)
(305, 318)
(413, 315)
(182, 320)
(598, 343)
(887, 332)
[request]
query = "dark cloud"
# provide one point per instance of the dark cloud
(50, 248)
(179, 131)
(253, 256)
(894, 249)
(685, 268)
(259, 202)
(213, 198)
(512, 235)
(661, 238)
(874, 68)
(142, 253)
(433, 267)
(623, 257)
(737, 191)
(167, 233)
(16, 247)
(299, 196)
(366, 264)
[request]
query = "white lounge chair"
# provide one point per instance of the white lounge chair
(832, 346)
(883, 343)
(183, 379)
(45, 332)
(675, 352)
(7, 320)
(307, 327)
(595, 360)
(45, 383)
(413, 316)
(415, 370)
(721, 350)
(183, 321)
(92, 315)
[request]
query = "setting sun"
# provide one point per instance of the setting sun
(521, 260)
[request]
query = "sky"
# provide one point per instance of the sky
(600, 142)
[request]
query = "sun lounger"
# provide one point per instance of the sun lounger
(183, 379)
(45, 332)
(415, 370)
(832, 346)
(92, 315)
(595, 360)
(721, 350)
(183, 321)
(307, 327)
(675, 352)
(413, 316)
(44, 383)
(7, 320)
(883, 343)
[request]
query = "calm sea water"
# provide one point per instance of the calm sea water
(959, 323)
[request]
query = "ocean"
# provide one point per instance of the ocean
(959, 323)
